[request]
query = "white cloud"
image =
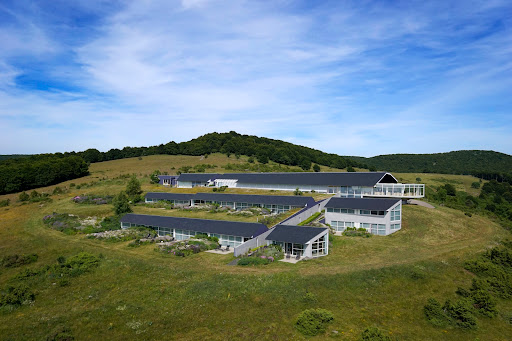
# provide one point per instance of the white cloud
(351, 79)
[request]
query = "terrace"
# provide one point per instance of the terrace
(398, 190)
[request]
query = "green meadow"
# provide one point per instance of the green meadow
(141, 294)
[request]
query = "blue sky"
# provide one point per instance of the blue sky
(354, 78)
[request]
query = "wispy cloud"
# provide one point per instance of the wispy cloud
(346, 77)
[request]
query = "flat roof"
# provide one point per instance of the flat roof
(375, 204)
(294, 233)
(300, 178)
(232, 228)
(292, 200)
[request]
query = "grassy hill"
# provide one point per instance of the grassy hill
(137, 293)
(457, 162)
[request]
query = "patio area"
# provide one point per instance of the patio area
(221, 251)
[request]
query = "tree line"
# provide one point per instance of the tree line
(261, 148)
(487, 165)
(35, 171)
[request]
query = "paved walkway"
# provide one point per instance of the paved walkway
(420, 203)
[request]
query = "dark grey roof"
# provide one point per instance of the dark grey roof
(203, 177)
(294, 234)
(304, 178)
(167, 176)
(258, 199)
(169, 196)
(375, 204)
(232, 228)
(251, 199)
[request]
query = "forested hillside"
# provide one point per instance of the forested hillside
(481, 163)
(13, 156)
(41, 170)
(260, 148)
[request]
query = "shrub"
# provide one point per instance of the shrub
(82, 262)
(23, 196)
(475, 184)
(16, 295)
(484, 303)
(461, 313)
(435, 313)
(297, 192)
(309, 297)
(110, 223)
(374, 334)
(57, 190)
(4, 203)
(14, 261)
(312, 322)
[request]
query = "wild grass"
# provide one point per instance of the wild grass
(137, 293)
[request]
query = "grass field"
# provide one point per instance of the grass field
(141, 294)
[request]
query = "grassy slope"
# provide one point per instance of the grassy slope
(141, 294)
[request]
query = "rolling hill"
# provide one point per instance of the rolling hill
(457, 162)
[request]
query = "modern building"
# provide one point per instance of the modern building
(168, 180)
(378, 216)
(274, 203)
(303, 241)
(230, 233)
(343, 184)
(177, 199)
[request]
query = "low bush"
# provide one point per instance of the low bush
(356, 232)
(458, 313)
(435, 313)
(309, 297)
(313, 322)
(374, 334)
(461, 313)
(4, 203)
(14, 261)
(16, 295)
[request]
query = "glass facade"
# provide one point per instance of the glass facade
(379, 229)
(318, 247)
(340, 226)
(395, 213)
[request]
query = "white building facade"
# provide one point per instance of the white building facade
(377, 216)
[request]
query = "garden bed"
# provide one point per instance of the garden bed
(190, 246)
(262, 255)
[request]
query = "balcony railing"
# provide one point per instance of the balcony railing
(398, 190)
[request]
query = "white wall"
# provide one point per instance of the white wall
(184, 184)
(358, 219)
